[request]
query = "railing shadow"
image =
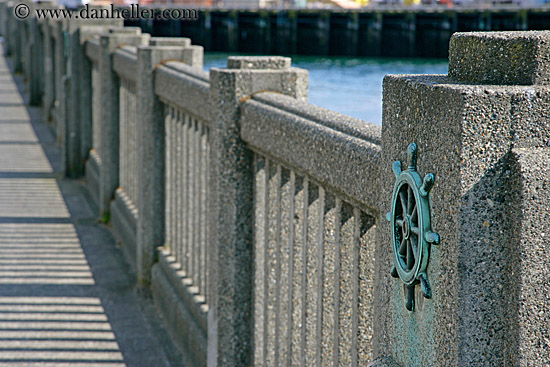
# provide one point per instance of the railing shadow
(66, 296)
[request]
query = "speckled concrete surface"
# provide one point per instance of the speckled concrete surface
(468, 136)
(109, 112)
(511, 58)
(232, 201)
(531, 182)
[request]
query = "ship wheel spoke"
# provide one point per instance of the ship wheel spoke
(415, 230)
(403, 202)
(403, 248)
(409, 200)
(410, 256)
(399, 222)
(414, 243)
(414, 214)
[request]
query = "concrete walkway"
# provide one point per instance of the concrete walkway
(66, 298)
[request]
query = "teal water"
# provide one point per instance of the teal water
(352, 86)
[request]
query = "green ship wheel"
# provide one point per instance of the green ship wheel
(411, 227)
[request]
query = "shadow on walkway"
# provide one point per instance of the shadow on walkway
(67, 297)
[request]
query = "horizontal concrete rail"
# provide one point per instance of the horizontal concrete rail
(184, 86)
(125, 63)
(338, 151)
(334, 120)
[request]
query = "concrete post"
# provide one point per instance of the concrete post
(10, 29)
(6, 17)
(35, 61)
(483, 131)
(151, 133)
(194, 56)
(230, 253)
(59, 78)
(85, 95)
(49, 81)
(110, 110)
(27, 44)
(3, 18)
(78, 123)
(40, 67)
(85, 32)
(13, 28)
(70, 149)
(34, 56)
(6, 8)
(17, 49)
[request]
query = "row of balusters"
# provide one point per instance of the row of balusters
(313, 250)
(187, 178)
(313, 261)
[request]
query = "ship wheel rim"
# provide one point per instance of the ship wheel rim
(407, 229)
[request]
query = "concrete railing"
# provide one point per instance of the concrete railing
(183, 92)
(259, 220)
(314, 231)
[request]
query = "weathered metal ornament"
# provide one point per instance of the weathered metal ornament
(410, 222)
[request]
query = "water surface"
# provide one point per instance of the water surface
(352, 86)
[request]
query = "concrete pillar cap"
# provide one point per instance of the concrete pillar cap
(258, 62)
(501, 58)
(125, 30)
(170, 41)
